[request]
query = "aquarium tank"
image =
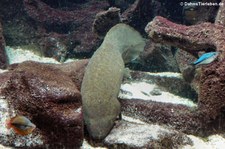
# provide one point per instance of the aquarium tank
(112, 74)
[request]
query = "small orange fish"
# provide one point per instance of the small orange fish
(21, 125)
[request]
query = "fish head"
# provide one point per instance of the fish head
(21, 125)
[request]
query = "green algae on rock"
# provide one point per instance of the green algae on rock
(103, 77)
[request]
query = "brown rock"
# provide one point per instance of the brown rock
(158, 58)
(75, 70)
(59, 32)
(138, 14)
(54, 46)
(50, 98)
(75, 23)
(189, 38)
(189, 73)
(187, 118)
(184, 59)
(180, 117)
(105, 20)
(193, 39)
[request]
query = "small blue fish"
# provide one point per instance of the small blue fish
(206, 58)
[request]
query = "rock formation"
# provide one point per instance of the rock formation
(105, 20)
(193, 39)
(47, 94)
(59, 32)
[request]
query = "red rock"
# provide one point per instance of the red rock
(55, 46)
(105, 20)
(54, 32)
(180, 117)
(193, 39)
(77, 22)
(190, 38)
(50, 97)
(75, 71)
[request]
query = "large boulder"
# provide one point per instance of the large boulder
(49, 97)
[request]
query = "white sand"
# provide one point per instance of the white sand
(212, 142)
(166, 74)
(4, 116)
(17, 55)
(141, 90)
(86, 145)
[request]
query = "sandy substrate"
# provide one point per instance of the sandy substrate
(142, 90)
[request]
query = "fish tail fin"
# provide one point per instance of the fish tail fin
(192, 64)
(8, 123)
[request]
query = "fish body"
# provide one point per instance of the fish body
(21, 125)
(206, 58)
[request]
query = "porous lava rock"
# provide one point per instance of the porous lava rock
(141, 12)
(176, 116)
(59, 32)
(136, 13)
(158, 58)
(75, 22)
(188, 71)
(193, 39)
(105, 20)
(75, 70)
(49, 96)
